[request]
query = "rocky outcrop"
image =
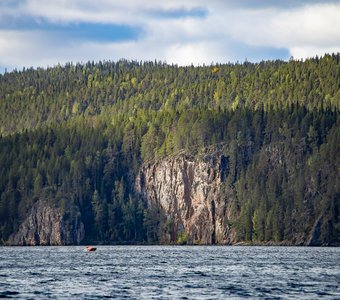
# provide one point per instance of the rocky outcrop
(48, 225)
(189, 192)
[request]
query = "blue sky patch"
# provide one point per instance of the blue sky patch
(100, 32)
(259, 53)
(197, 12)
(10, 3)
(76, 31)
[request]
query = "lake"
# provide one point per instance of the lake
(169, 272)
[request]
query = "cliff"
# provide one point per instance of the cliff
(83, 138)
(195, 201)
(199, 204)
(48, 225)
(189, 192)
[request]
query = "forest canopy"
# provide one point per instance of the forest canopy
(78, 134)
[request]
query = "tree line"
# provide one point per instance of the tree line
(78, 135)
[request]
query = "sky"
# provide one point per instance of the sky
(41, 33)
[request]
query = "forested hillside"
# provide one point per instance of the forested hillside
(77, 136)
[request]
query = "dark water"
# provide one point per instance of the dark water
(147, 272)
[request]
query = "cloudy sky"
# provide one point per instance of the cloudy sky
(46, 32)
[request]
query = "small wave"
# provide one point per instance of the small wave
(200, 273)
(47, 281)
(193, 286)
(323, 294)
(235, 290)
(42, 293)
(8, 294)
(34, 274)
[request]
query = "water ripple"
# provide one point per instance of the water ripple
(146, 272)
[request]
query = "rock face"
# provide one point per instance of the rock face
(188, 191)
(48, 225)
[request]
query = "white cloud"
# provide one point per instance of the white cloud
(217, 37)
(308, 52)
(18, 48)
(197, 53)
(102, 11)
(308, 27)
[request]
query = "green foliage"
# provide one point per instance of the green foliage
(85, 130)
(182, 239)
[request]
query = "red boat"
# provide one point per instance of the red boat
(90, 248)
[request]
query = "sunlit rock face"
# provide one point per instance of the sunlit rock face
(193, 196)
(48, 225)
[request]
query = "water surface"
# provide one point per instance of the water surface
(169, 272)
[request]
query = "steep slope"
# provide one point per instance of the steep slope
(153, 153)
(48, 225)
(189, 192)
(199, 203)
